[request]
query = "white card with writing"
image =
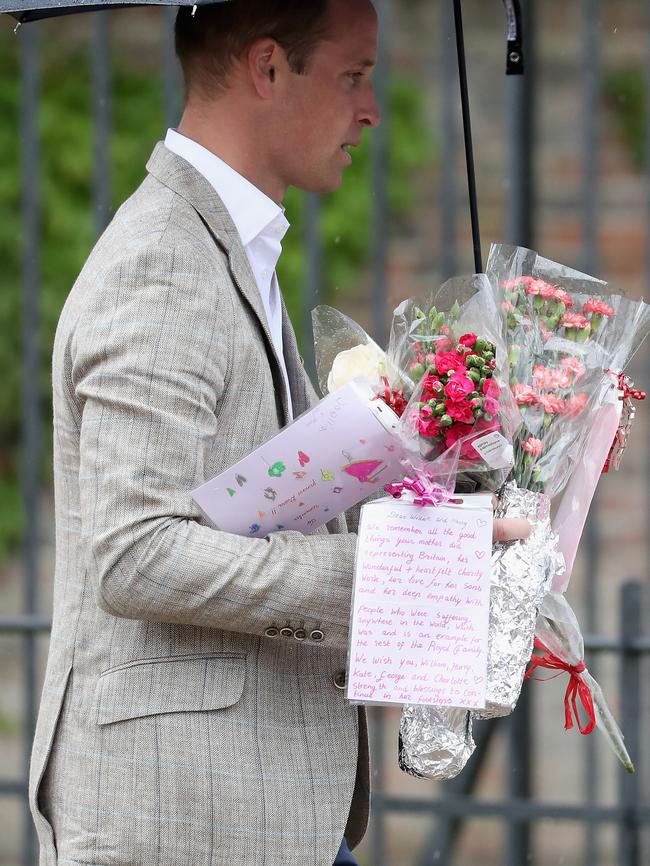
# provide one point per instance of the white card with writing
(326, 461)
(420, 607)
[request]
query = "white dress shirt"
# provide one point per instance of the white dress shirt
(260, 222)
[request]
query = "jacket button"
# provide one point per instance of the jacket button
(286, 632)
(272, 631)
(317, 635)
(340, 679)
(300, 634)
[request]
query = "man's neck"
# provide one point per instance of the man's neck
(240, 149)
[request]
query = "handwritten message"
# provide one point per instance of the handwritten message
(421, 604)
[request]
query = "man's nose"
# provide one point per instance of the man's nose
(370, 115)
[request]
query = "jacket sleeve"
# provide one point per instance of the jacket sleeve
(150, 362)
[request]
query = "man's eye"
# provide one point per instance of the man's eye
(355, 77)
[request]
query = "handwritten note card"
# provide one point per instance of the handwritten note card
(421, 604)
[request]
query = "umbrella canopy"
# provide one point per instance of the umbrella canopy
(32, 10)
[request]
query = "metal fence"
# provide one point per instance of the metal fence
(454, 804)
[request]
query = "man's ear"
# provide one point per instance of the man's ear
(264, 56)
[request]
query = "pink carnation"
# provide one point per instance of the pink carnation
(574, 405)
(597, 307)
(575, 320)
(564, 297)
(532, 446)
(524, 395)
(551, 403)
(491, 388)
(468, 340)
(574, 366)
(491, 406)
(429, 428)
(446, 361)
(443, 344)
(459, 386)
(507, 306)
(460, 431)
(460, 411)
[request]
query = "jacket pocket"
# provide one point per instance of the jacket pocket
(176, 684)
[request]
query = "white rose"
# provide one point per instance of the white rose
(365, 360)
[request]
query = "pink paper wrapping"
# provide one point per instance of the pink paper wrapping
(570, 518)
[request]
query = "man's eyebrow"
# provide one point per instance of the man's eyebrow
(367, 63)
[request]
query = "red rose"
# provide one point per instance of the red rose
(446, 361)
(459, 386)
(468, 340)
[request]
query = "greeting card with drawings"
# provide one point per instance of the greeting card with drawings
(329, 459)
(420, 607)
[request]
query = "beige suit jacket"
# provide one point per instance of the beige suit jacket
(172, 729)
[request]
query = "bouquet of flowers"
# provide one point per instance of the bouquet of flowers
(444, 374)
(568, 343)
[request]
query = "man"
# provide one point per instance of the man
(193, 709)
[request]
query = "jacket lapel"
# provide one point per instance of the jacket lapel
(178, 175)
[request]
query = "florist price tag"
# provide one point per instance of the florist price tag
(421, 602)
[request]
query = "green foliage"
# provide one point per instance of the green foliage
(625, 91)
(66, 176)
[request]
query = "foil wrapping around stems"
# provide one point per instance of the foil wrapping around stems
(434, 742)
(522, 573)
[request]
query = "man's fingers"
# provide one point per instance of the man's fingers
(510, 529)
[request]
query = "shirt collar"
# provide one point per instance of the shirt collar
(251, 210)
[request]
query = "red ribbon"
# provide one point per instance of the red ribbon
(393, 398)
(576, 689)
(628, 392)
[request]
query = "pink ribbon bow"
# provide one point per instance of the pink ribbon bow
(425, 490)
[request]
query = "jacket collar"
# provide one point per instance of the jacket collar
(183, 179)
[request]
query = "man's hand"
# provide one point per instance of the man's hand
(510, 529)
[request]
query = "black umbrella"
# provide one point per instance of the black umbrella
(31, 10)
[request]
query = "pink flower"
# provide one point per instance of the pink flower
(468, 340)
(431, 358)
(547, 291)
(551, 403)
(564, 298)
(507, 306)
(459, 386)
(524, 395)
(574, 405)
(426, 412)
(429, 427)
(431, 384)
(443, 344)
(542, 376)
(460, 431)
(573, 365)
(598, 307)
(575, 320)
(561, 378)
(444, 329)
(446, 361)
(491, 388)
(532, 446)
(491, 406)
(460, 411)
